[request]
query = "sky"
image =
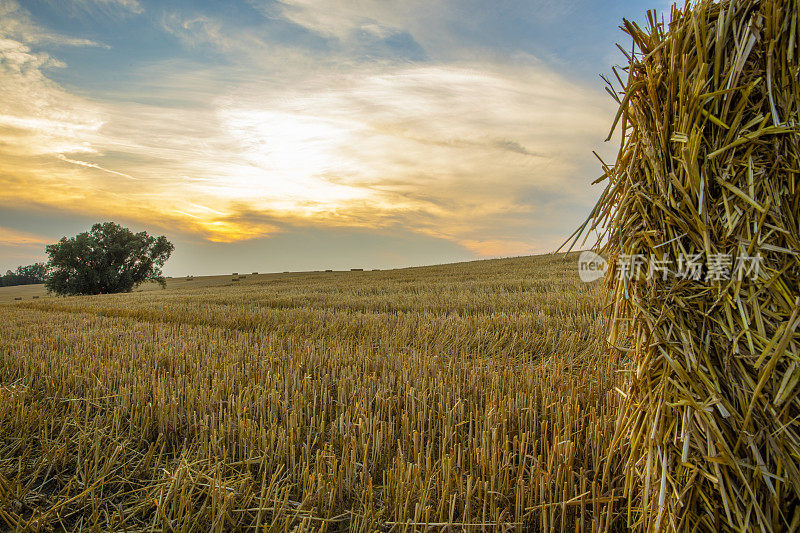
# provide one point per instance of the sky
(305, 134)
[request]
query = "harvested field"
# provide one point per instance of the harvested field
(467, 394)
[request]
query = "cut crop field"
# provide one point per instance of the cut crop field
(472, 395)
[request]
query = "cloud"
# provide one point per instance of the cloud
(62, 157)
(499, 248)
(16, 24)
(201, 30)
(344, 20)
(11, 237)
(445, 29)
(473, 152)
(37, 116)
(132, 6)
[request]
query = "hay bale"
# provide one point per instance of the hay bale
(709, 167)
(255, 273)
(329, 270)
(17, 298)
(356, 270)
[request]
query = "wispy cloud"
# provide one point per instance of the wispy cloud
(346, 20)
(134, 6)
(438, 148)
(38, 116)
(15, 23)
(11, 237)
(93, 165)
(478, 152)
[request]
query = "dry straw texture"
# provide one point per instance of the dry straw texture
(468, 395)
(709, 165)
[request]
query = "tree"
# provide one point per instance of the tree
(25, 275)
(107, 259)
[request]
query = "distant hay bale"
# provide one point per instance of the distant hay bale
(255, 273)
(356, 270)
(709, 173)
(18, 298)
(329, 270)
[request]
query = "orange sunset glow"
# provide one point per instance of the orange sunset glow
(361, 122)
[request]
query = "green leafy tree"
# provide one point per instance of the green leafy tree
(25, 275)
(108, 258)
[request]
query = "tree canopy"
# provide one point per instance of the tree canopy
(108, 258)
(25, 275)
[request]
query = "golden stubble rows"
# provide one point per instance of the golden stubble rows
(466, 396)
